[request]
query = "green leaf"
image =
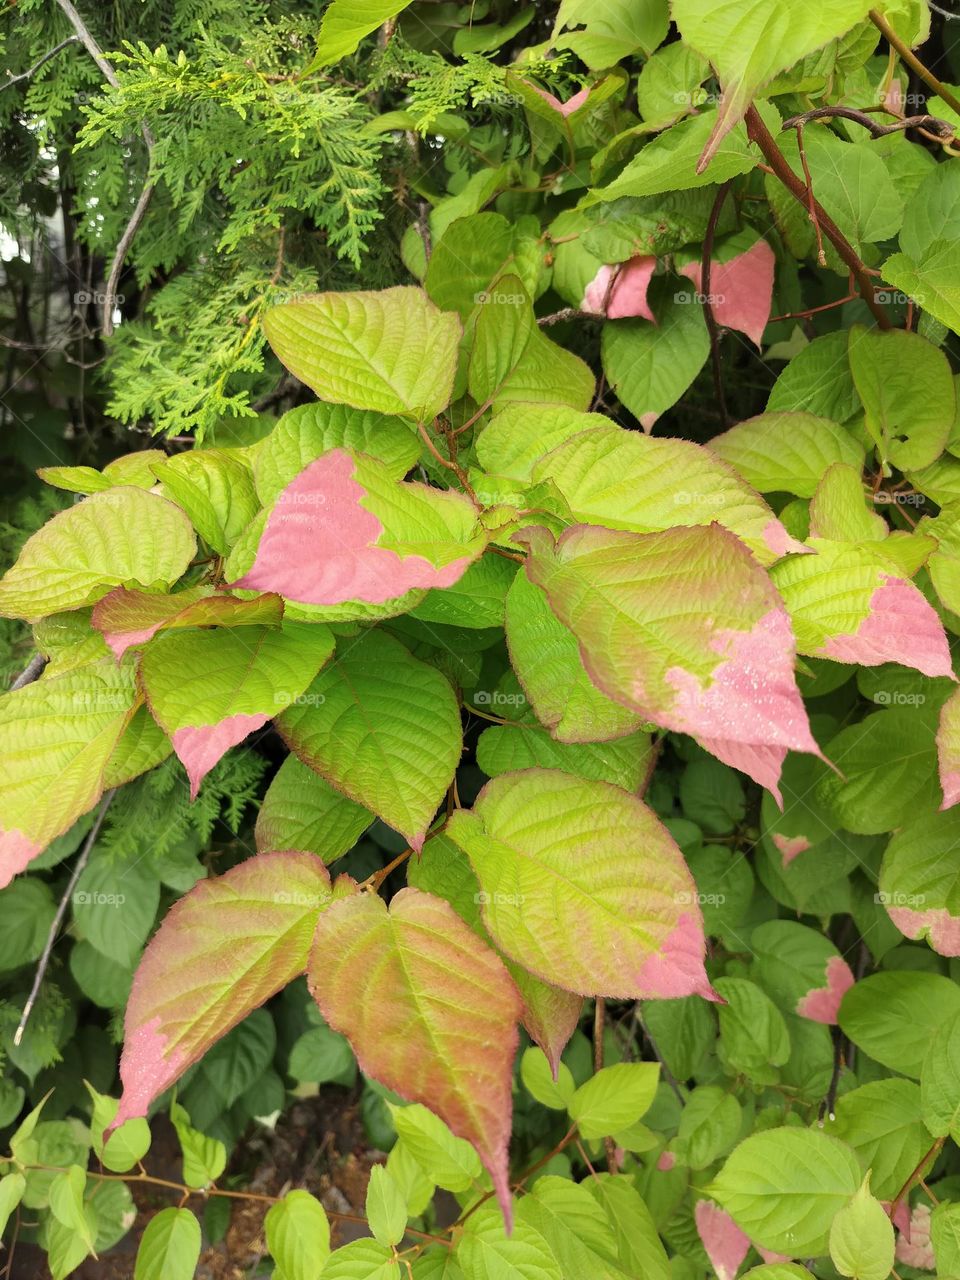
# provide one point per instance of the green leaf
(751, 41)
(56, 738)
(226, 947)
(237, 1061)
(475, 600)
(302, 811)
(861, 1238)
(882, 1123)
(574, 1225)
(710, 1124)
(26, 913)
(894, 1016)
(627, 480)
(711, 795)
(486, 1251)
(841, 511)
(684, 1031)
(125, 1146)
(614, 1098)
(889, 772)
(386, 1208)
(538, 1080)
(383, 728)
(346, 22)
(170, 1246)
(391, 351)
(940, 1081)
(669, 161)
(123, 537)
(651, 366)
(933, 213)
(818, 381)
(306, 433)
(215, 488)
(114, 906)
(512, 360)
(930, 279)
(546, 658)
(204, 1159)
(66, 1203)
(211, 687)
(298, 1236)
(787, 452)
(583, 886)
(945, 1237)
(321, 1055)
(603, 32)
(11, 1193)
(907, 390)
(920, 881)
(640, 1249)
(783, 1188)
(362, 1260)
(436, 1022)
(507, 748)
(753, 1036)
(450, 1162)
(801, 969)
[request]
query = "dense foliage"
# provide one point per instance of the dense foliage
(494, 589)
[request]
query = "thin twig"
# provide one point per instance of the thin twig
(811, 203)
(455, 467)
(61, 911)
(912, 61)
(32, 671)
(942, 128)
(758, 132)
(52, 53)
(713, 329)
(133, 224)
(599, 1022)
(932, 1153)
(566, 313)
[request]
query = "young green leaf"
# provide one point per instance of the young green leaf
(298, 1236)
(861, 1238)
(170, 1247)
(940, 1081)
(614, 1098)
(301, 810)
(385, 1208)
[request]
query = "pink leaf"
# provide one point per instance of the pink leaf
(430, 1011)
(126, 617)
(822, 1003)
(221, 951)
(790, 846)
(626, 295)
(725, 1243)
(941, 929)
(201, 746)
(17, 851)
(565, 108)
(913, 1247)
(900, 627)
(320, 543)
(741, 290)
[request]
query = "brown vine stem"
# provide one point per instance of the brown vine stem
(61, 911)
(713, 329)
(811, 203)
(565, 1141)
(599, 1022)
(32, 671)
(932, 1153)
(455, 467)
(942, 128)
(913, 62)
(758, 132)
(146, 1179)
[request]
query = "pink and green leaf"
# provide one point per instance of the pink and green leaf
(221, 951)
